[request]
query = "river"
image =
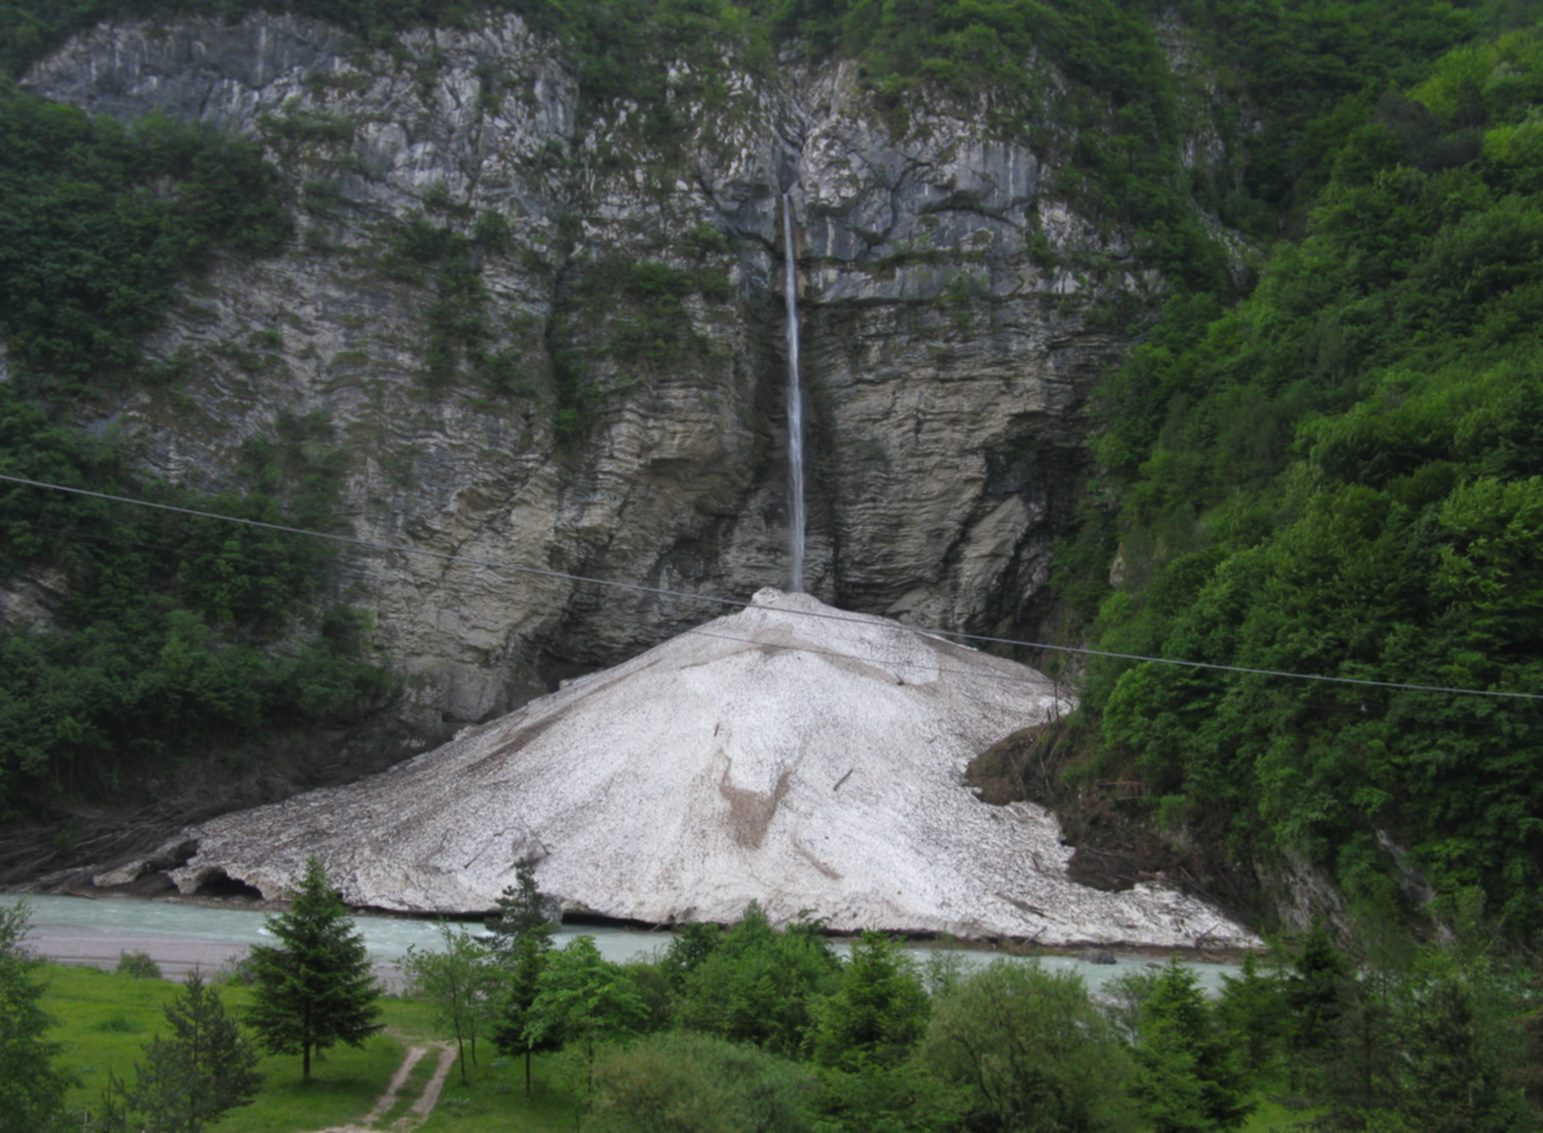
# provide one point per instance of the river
(183, 935)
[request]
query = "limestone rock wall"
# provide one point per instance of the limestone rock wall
(633, 429)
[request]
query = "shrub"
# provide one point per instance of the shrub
(140, 965)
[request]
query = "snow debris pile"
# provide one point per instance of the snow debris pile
(790, 753)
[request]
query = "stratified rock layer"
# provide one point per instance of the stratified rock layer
(958, 302)
(790, 753)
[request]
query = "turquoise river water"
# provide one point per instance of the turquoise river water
(181, 935)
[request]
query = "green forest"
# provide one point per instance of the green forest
(747, 1027)
(177, 633)
(1341, 475)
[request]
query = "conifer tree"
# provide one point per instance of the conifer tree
(1316, 995)
(1252, 1009)
(31, 1089)
(1455, 1062)
(203, 1068)
(522, 942)
(877, 1012)
(1189, 1079)
(521, 909)
(315, 988)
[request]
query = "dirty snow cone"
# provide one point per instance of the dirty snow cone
(792, 753)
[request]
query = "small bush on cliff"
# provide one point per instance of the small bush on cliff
(98, 220)
(168, 632)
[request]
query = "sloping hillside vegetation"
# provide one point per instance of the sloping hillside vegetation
(1342, 476)
(166, 634)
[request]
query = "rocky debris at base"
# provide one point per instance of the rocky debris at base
(791, 753)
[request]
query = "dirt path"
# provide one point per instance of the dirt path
(421, 1108)
(430, 1096)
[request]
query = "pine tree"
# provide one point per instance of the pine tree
(1252, 1010)
(1316, 995)
(1455, 1064)
(522, 942)
(204, 1068)
(877, 1012)
(31, 1089)
(315, 989)
(1168, 1089)
(521, 909)
(1189, 1077)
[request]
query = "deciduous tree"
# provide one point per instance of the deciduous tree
(1029, 1052)
(459, 982)
(689, 1083)
(582, 998)
(759, 985)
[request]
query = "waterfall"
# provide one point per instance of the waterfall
(797, 521)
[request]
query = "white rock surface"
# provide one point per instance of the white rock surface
(790, 753)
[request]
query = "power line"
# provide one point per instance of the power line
(1050, 682)
(739, 603)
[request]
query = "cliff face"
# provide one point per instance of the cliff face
(598, 388)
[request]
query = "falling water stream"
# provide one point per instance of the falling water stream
(797, 521)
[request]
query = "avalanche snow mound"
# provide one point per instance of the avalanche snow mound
(790, 753)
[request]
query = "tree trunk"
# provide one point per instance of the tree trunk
(305, 1073)
(527, 1073)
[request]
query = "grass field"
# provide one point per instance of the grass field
(105, 1019)
(494, 1099)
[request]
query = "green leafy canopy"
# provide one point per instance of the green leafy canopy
(1344, 475)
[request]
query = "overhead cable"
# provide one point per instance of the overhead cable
(740, 603)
